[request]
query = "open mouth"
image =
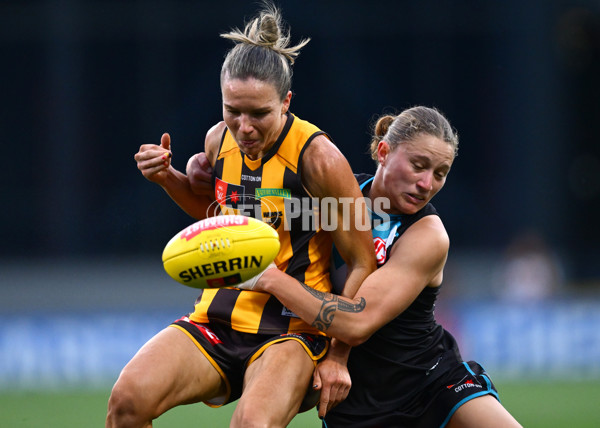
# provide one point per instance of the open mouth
(415, 198)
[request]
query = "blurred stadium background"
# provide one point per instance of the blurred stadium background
(84, 83)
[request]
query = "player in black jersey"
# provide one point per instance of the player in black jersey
(406, 369)
(239, 344)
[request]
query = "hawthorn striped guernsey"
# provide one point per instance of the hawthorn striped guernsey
(265, 187)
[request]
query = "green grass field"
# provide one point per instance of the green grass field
(541, 404)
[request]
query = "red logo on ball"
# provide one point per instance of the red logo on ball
(213, 223)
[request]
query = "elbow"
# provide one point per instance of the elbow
(356, 336)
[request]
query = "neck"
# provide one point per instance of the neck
(375, 191)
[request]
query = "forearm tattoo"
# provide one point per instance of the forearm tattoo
(331, 304)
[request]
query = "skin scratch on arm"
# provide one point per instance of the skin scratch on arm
(331, 304)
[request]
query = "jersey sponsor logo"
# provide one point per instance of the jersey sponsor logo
(296, 335)
(287, 313)
(467, 384)
(246, 177)
(228, 194)
(232, 199)
(380, 250)
(282, 193)
(273, 218)
(461, 386)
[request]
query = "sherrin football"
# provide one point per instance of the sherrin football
(220, 251)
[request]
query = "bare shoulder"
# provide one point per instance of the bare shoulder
(427, 239)
(213, 141)
(321, 152)
(433, 225)
(325, 168)
(422, 251)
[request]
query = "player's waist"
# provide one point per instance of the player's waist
(248, 312)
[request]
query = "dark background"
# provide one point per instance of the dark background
(84, 83)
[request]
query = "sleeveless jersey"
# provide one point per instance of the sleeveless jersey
(398, 361)
(270, 189)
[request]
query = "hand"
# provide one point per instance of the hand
(154, 160)
(251, 283)
(199, 172)
(331, 376)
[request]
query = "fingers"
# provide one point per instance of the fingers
(152, 159)
(151, 155)
(199, 165)
(334, 382)
(317, 384)
(199, 172)
(323, 404)
(324, 398)
(331, 397)
(165, 141)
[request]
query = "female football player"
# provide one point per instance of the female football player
(406, 369)
(261, 160)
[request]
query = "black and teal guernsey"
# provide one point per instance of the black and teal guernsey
(394, 366)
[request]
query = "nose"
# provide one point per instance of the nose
(245, 124)
(426, 181)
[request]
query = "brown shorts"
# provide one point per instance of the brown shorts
(231, 351)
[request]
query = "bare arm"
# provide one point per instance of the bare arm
(327, 174)
(417, 261)
(154, 163)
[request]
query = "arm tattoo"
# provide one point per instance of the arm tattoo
(332, 303)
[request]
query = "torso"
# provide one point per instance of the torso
(270, 189)
(405, 349)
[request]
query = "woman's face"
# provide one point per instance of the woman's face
(414, 172)
(254, 114)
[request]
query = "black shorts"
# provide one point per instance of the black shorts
(461, 384)
(231, 352)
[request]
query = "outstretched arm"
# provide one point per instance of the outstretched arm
(417, 261)
(154, 162)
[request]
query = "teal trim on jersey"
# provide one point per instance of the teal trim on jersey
(362, 186)
(385, 231)
(382, 227)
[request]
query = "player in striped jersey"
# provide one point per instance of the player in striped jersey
(261, 160)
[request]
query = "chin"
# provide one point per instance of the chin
(248, 151)
(408, 209)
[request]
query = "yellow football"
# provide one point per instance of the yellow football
(220, 251)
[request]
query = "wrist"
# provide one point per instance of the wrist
(339, 350)
(266, 280)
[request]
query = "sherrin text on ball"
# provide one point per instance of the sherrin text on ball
(220, 251)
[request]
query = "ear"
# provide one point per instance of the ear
(286, 103)
(383, 150)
